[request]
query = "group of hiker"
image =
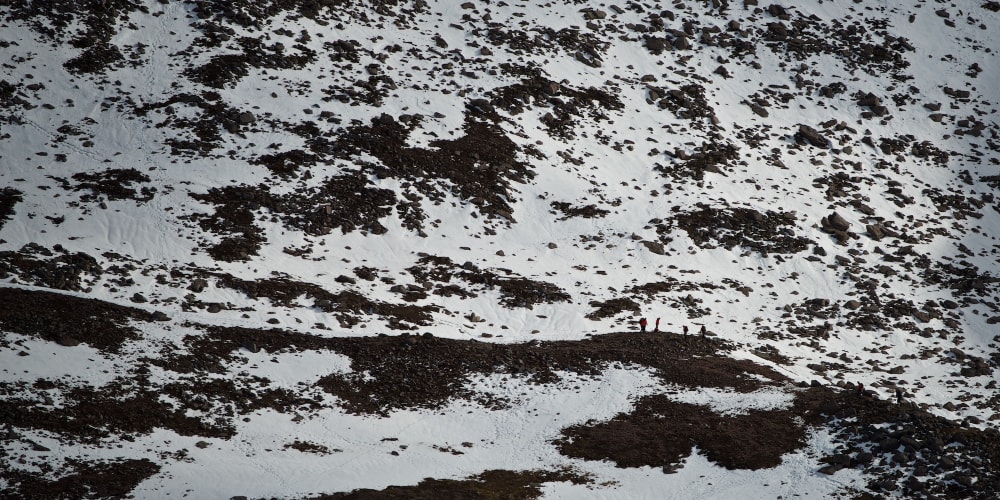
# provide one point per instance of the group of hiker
(643, 323)
(860, 391)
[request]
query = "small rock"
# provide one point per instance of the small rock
(830, 469)
(37, 447)
(67, 341)
(198, 285)
(246, 118)
(965, 481)
(875, 231)
(654, 247)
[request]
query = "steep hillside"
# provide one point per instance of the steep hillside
(400, 248)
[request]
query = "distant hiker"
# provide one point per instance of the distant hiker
(702, 332)
(899, 396)
(657, 327)
(861, 390)
(685, 330)
(642, 324)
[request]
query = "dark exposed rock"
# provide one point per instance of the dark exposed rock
(9, 197)
(51, 316)
(55, 268)
(115, 184)
(501, 483)
(811, 136)
(769, 232)
(835, 222)
(198, 285)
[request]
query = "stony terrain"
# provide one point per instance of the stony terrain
(214, 214)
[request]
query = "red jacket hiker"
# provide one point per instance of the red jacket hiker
(657, 327)
(642, 324)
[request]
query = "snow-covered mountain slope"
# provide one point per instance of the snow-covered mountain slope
(291, 248)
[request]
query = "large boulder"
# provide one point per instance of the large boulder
(836, 222)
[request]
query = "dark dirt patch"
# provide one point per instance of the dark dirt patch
(660, 433)
(687, 102)
(287, 163)
(568, 106)
(97, 58)
(371, 91)
(8, 198)
(50, 268)
(80, 479)
(867, 45)
(115, 184)
(515, 291)
(225, 398)
(118, 409)
(962, 277)
(587, 211)
(769, 232)
(254, 14)
(347, 202)
(612, 307)
(711, 157)
(586, 47)
(346, 305)
(214, 116)
(309, 447)
(671, 284)
(11, 103)
(478, 167)
(221, 71)
(66, 319)
(434, 370)
(234, 219)
(227, 70)
(910, 451)
(492, 484)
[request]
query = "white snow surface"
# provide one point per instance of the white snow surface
(157, 236)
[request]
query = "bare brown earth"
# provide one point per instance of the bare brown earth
(494, 484)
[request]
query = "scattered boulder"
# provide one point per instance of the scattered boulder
(198, 285)
(835, 221)
(811, 136)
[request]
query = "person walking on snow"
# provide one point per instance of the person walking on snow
(702, 332)
(642, 324)
(899, 396)
(685, 330)
(861, 389)
(656, 328)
